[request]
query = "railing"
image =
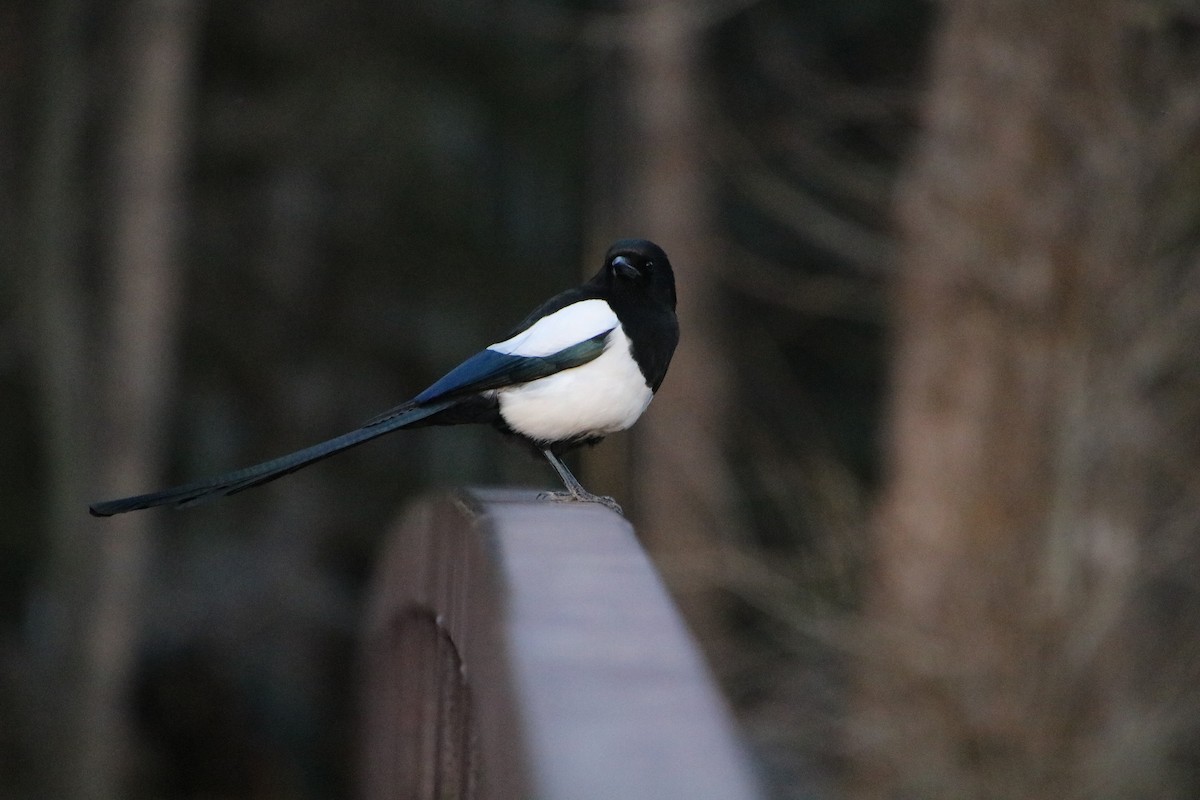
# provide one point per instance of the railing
(526, 649)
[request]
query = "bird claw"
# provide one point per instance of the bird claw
(568, 497)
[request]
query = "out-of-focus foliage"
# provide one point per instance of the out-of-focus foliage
(817, 108)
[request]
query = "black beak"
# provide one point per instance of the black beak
(625, 268)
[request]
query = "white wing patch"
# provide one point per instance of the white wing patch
(600, 397)
(568, 326)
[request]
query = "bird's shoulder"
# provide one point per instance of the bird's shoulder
(567, 331)
(555, 304)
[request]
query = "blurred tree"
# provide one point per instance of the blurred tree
(680, 481)
(93, 584)
(138, 338)
(1035, 611)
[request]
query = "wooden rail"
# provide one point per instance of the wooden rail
(525, 649)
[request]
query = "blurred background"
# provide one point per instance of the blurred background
(234, 229)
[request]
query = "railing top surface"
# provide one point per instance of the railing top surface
(609, 695)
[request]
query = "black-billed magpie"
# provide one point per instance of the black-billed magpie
(582, 365)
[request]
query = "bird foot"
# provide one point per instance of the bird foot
(583, 497)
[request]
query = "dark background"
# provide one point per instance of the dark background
(234, 229)
(361, 194)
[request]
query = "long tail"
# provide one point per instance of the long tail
(236, 481)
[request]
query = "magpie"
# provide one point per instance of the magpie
(582, 365)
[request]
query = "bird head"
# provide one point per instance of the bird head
(639, 267)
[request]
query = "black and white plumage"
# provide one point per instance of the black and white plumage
(584, 364)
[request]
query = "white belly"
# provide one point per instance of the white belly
(600, 397)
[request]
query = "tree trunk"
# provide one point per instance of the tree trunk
(142, 303)
(1035, 616)
(679, 484)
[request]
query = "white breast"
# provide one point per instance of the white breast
(600, 397)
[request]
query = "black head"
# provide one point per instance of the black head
(636, 267)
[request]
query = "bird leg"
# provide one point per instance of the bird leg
(575, 490)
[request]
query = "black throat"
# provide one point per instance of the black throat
(652, 329)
